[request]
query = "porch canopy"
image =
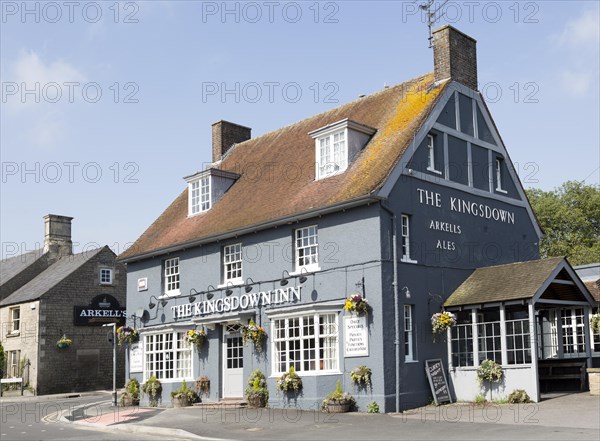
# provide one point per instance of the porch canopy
(511, 312)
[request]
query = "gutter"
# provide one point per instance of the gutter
(363, 200)
(396, 300)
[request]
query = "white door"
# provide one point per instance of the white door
(233, 363)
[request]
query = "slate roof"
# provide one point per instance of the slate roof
(513, 281)
(40, 285)
(12, 266)
(265, 195)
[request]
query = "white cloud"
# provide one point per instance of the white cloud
(36, 103)
(582, 32)
(579, 41)
(579, 83)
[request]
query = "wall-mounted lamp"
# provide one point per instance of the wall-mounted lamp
(229, 291)
(151, 305)
(284, 280)
(209, 293)
(192, 298)
(302, 277)
(407, 292)
(248, 287)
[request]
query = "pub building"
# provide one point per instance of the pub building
(406, 197)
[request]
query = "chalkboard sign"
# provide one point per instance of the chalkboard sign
(437, 381)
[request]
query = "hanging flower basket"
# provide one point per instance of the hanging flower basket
(290, 381)
(255, 334)
(595, 322)
(127, 335)
(357, 304)
(64, 342)
(361, 376)
(442, 321)
(195, 337)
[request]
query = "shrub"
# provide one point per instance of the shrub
(373, 407)
(519, 396)
(185, 392)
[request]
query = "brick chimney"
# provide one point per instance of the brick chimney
(57, 239)
(455, 56)
(225, 135)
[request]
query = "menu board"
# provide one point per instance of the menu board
(437, 381)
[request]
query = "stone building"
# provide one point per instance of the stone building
(51, 292)
(404, 198)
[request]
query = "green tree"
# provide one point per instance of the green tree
(570, 218)
(2, 361)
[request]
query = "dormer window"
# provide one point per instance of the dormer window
(337, 144)
(333, 154)
(199, 195)
(206, 188)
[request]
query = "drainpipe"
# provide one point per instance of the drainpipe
(396, 306)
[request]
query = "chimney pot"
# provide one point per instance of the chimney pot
(224, 135)
(57, 238)
(455, 56)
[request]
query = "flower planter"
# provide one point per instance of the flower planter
(256, 402)
(335, 407)
(62, 345)
(180, 402)
(594, 380)
(128, 401)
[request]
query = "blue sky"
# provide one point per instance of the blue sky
(107, 105)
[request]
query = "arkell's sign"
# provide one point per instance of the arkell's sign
(102, 309)
(230, 304)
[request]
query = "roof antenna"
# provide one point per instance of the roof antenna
(432, 16)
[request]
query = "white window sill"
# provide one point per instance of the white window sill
(500, 190)
(433, 170)
(170, 294)
(308, 374)
(231, 283)
(408, 260)
(197, 214)
(13, 334)
(307, 270)
(411, 361)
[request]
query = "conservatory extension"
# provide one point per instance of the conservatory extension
(533, 318)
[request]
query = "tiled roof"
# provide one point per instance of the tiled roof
(513, 281)
(49, 278)
(12, 266)
(277, 170)
(594, 288)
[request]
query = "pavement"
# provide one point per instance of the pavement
(559, 416)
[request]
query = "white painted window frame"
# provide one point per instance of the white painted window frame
(409, 338)
(431, 155)
(172, 278)
(326, 154)
(313, 242)
(285, 337)
(199, 195)
(103, 279)
(179, 348)
(15, 323)
(499, 188)
(405, 239)
(232, 258)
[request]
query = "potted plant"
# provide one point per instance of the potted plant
(153, 388)
(203, 385)
(489, 371)
(131, 396)
(357, 304)
(195, 337)
(184, 396)
(289, 381)
(361, 376)
(64, 342)
(257, 393)
(441, 321)
(255, 334)
(127, 335)
(338, 401)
